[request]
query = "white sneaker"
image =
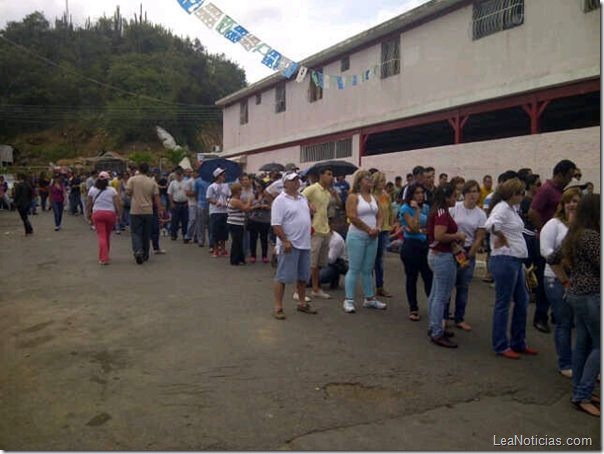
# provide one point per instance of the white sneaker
(320, 294)
(374, 304)
(296, 297)
(349, 306)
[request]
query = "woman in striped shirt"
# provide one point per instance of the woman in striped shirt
(236, 210)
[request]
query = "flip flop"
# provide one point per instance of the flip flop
(414, 317)
(279, 315)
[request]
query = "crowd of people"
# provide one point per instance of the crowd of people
(540, 239)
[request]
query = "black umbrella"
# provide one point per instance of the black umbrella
(272, 167)
(339, 168)
(206, 170)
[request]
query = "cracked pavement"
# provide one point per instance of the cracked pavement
(182, 353)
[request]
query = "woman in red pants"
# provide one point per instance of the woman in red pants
(104, 207)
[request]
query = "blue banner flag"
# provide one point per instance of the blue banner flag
(271, 59)
(190, 5)
(236, 34)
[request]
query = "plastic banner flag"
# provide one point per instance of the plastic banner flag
(209, 14)
(354, 80)
(287, 67)
(190, 5)
(249, 42)
(301, 74)
(271, 59)
(262, 49)
(340, 82)
(317, 78)
(225, 25)
(326, 81)
(236, 34)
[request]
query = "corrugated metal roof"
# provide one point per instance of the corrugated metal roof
(414, 17)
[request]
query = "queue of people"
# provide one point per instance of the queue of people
(320, 228)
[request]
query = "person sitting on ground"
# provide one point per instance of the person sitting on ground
(337, 263)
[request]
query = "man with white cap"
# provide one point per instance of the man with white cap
(290, 218)
(217, 196)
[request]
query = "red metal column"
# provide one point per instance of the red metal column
(535, 109)
(457, 123)
(362, 146)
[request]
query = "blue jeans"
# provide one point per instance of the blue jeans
(510, 286)
(361, 259)
(462, 288)
(535, 258)
(586, 357)
(379, 259)
(563, 312)
(57, 210)
(140, 231)
(180, 217)
(444, 271)
(155, 231)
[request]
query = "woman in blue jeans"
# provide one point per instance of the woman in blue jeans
(508, 250)
(442, 233)
(362, 241)
(471, 220)
(550, 240)
(580, 253)
(413, 217)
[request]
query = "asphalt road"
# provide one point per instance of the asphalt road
(182, 353)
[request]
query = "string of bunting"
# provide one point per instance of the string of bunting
(214, 18)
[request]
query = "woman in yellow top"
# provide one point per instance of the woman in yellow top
(387, 216)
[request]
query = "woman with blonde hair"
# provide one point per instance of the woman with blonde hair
(508, 251)
(384, 205)
(362, 241)
(551, 237)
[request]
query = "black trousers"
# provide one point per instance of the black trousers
(258, 229)
(23, 212)
(237, 255)
(414, 254)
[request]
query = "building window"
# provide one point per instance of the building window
(345, 64)
(492, 16)
(259, 99)
(280, 98)
(314, 91)
(325, 151)
(243, 113)
(590, 5)
(391, 57)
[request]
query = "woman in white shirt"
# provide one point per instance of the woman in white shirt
(104, 208)
(551, 237)
(471, 220)
(362, 241)
(508, 250)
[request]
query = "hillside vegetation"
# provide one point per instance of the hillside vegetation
(69, 91)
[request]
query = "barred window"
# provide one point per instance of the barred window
(243, 113)
(325, 151)
(391, 57)
(492, 16)
(590, 5)
(259, 99)
(314, 91)
(345, 64)
(280, 98)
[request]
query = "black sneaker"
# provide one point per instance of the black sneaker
(542, 326)
(443, 341)
(138, 256)
(445, 333)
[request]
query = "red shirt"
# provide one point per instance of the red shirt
(546, 200)
(440, 217)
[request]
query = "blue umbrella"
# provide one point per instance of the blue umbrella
(206, 170)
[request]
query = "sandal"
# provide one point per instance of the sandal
(587, 407)
(414, 316)
(306, 309)
(279, 315)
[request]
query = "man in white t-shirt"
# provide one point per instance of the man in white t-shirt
(217, 194)
(290, 218)
(179, 204)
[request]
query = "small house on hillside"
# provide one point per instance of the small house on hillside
(111, 161)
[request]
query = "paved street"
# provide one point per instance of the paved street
(182, 354)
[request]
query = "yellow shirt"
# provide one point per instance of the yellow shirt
(385, 208)
(483, 194)
(115, 184)
(319, 198)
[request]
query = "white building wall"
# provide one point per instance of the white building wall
(540, 152)
(441, 67)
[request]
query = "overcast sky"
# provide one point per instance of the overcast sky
(296, 28)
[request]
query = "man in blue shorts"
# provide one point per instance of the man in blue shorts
(290, 218)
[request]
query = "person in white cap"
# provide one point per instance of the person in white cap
(290, 218)
(217, 195)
